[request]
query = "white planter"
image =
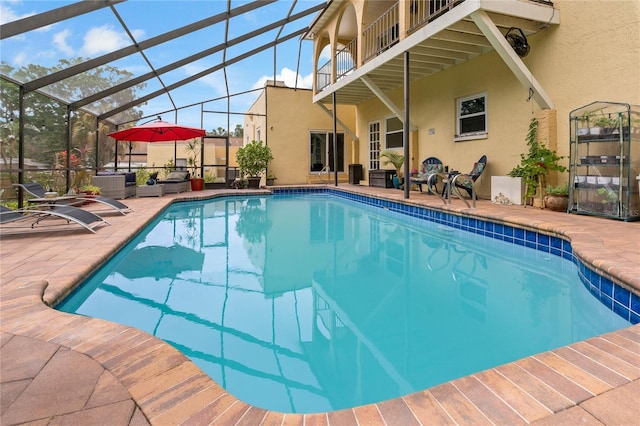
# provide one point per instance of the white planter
(506, 186)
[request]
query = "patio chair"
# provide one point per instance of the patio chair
(34, 189)
(39, 214)
(428, 168)
(457, 181)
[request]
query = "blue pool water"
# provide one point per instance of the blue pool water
(308, 303)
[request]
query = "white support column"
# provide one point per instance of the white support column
(385, 100)
(513, 61)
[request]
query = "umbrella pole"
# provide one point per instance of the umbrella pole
(130, 149)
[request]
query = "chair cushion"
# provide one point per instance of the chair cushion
(477, 169)
(129, 179)
(177, 176)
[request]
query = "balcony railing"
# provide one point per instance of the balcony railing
(323, 76)
(346, 59)
(381, 34)
(424, 11)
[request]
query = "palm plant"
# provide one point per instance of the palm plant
(394, 158)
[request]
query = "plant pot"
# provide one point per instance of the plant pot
(253, 182)
(556, 203)
(197, 184)
(270, 182)
(397, 182)
(88, 194)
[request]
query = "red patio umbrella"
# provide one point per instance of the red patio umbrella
(158, 131)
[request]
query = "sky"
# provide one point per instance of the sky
(97, 33)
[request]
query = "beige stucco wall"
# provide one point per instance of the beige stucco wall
(580, 61)
(291, 115)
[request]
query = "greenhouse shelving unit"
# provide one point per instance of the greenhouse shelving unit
(604, 163)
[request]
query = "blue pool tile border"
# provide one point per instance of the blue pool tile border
(617, 298)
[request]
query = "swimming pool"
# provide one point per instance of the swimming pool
(338, 303)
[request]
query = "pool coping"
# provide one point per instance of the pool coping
(168, 388)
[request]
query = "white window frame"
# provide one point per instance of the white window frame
(387, 132)
(471, 135)
(375, 133)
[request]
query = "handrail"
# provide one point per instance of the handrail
(423, 11)
(323, 76)
(382, 33)
(346, 59)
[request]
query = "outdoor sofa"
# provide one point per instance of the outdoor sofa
(115, 184)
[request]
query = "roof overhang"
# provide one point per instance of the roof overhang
(472, 28)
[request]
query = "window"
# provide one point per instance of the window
(471, 116)
(394, 133)
(321, 151)
(374, 145)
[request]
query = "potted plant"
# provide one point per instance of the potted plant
(557, 198)
(210, 180)
(397, 160)
(142, 176)
(608, 201)
(537, 162)
(270, 178)
(253, 159)
(91, 190)
(193, 152)
(606, 124)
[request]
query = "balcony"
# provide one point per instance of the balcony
(438, 34)
(382, 34)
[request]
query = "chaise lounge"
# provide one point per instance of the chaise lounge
(40, 214)
(176, 182)
(34, 189)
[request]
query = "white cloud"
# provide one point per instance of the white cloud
(20, 59)
(215, 79)
(289, 77)
(60, 42)
(103, 39)
(8, 15)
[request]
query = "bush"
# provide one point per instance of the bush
(253, 158)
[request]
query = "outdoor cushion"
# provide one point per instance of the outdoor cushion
(177, 176)
(129, 179)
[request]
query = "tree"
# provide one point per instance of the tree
(45, 118)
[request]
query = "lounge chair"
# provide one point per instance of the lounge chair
(457, 181)
(428, 168)
(39, 214)
(177, 181)
(36, 190)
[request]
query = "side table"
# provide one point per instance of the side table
(150, 190)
